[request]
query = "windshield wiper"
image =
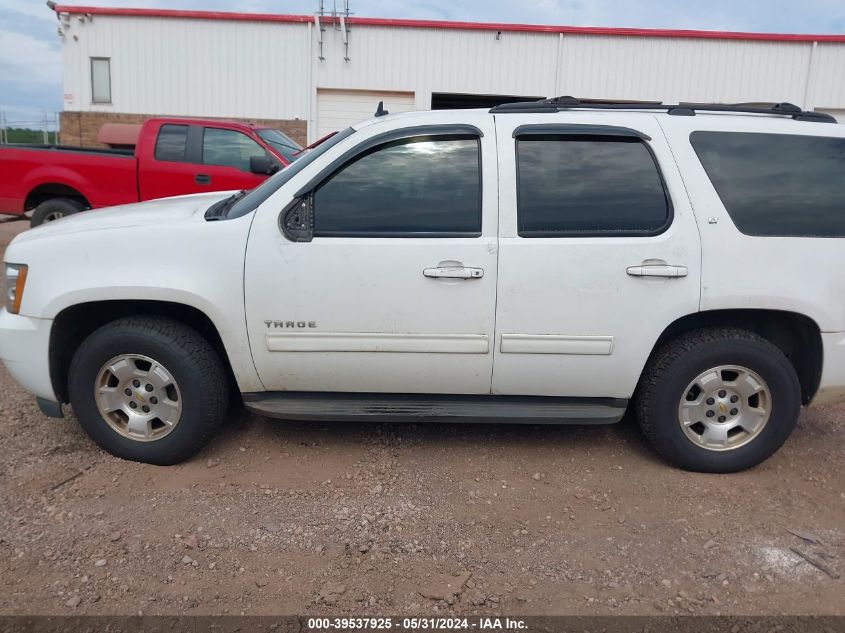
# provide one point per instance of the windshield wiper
(219, 209)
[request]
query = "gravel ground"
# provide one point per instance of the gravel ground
(284, 517)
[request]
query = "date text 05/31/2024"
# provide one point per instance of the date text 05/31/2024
(417, 624)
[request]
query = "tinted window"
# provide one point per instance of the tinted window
(228, 148)
(267, 188)
(282, 143)
(406, 187)
(171, 142)
(777, 184)
(588, 185)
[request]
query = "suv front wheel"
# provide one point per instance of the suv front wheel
(718, 400)
(148, 389)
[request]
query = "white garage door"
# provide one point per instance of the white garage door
(839, 115)
(338, 109)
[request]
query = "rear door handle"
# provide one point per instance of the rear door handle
(657, 270)
(202, 179)
(454, 272)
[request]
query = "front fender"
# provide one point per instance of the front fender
(228, 323)
(177, 258)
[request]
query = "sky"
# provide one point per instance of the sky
(30, 54)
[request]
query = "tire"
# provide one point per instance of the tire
(53, 209)
(752, 362)
(191, 407)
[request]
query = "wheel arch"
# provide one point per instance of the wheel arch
(73, 324)
(49, 190)
(796, 335)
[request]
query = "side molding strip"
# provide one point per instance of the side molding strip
(556, 344)
(378, 342)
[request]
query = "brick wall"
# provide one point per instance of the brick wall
(80, 128)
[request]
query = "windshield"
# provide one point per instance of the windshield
(279, 141)
(252, 199)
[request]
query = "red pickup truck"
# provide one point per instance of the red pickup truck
(172, 157)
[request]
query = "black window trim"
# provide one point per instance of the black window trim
(586, 132)
(577, 129)
(421, 132)
(193, 152)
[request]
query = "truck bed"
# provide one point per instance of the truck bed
(71, 148)
(23, 167)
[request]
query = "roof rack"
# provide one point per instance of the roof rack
(556, 104)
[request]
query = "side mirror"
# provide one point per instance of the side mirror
(297, 219)
(263, 165)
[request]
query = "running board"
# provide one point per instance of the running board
(354, 407)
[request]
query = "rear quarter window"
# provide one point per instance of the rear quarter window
(777, 184)
(171, 143)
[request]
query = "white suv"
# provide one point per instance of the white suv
(553, 261)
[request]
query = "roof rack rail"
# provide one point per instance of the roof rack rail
(556, 104)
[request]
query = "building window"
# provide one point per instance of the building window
(570, 186)
(100, 80)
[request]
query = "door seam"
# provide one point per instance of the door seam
(680, 173)
(498, 252)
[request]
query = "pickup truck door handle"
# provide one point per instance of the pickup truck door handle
(202, 179)
(454, 272)
(657, 269)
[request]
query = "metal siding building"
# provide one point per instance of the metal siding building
(274, 67)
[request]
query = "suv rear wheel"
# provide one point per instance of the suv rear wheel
(718, 400)
(148, 389)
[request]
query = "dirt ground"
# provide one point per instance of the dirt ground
(287, 518)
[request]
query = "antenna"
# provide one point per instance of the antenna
(380, 111)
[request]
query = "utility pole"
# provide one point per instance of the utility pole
(2, 127)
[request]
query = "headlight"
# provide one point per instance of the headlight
(15, 281)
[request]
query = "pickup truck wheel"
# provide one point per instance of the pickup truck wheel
(54, 209)
(718, 400)
(148, 389)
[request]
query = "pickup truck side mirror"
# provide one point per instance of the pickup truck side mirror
(263, 165)
(297, 219)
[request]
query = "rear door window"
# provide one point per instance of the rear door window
(578, 186)
(171, 143)
(777, 184)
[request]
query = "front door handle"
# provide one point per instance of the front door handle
(202, 179)
(454, 272)
(655, 269)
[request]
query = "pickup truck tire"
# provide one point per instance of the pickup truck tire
(53, 209)
(718, 400)
(161, 366)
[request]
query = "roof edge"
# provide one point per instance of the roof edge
(467, 26)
